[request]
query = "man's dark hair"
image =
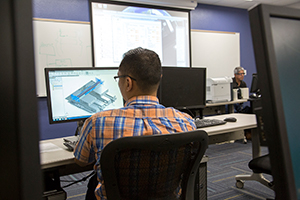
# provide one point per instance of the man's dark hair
(143, 65)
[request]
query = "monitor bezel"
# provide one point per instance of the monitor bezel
(49, 105)
(123, 3)
(184, 107)
(274, 125)
(254, 84)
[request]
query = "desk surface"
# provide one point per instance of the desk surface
(244, 121)
(226, 103)
(53, 153)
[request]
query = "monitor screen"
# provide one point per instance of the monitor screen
(183, 88)
(276, 41)
(75, 94)
(118, 27)
(254, 84)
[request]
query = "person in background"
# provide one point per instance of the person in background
(237, 83)
(138, 78)
(237, 80)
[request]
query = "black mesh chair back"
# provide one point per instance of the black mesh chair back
(160, 167)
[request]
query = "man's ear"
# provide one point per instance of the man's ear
(129, 84)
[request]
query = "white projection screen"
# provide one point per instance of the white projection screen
(118, 27)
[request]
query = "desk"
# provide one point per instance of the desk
(58, 155)
(61, 161)
(218, 108)
(57, 161)
(230, 130)
(55, 153)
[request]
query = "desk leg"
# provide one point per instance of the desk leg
(256, 151)
(230, 108)
(52, 188)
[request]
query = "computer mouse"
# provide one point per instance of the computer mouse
(230, 119)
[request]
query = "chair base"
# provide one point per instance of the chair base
(253, 177)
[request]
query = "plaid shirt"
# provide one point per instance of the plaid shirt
(142, 115)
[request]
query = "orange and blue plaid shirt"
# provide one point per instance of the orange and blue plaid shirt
(142, 115)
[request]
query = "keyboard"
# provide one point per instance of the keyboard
(201, 123)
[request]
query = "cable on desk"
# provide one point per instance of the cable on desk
(83, 179)
(188, 112)
(191, 113)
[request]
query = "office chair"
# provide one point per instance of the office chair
(153, 167)
(259, 164)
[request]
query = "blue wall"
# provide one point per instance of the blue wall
(76, 10)
(204, 17)
(218, 18)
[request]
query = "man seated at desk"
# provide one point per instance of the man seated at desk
(237, 83)
(237, 80)
(139, 77)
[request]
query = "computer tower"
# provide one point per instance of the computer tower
(201, 181)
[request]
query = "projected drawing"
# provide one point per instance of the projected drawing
(91, 97)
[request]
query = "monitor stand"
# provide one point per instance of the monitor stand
(79, 127)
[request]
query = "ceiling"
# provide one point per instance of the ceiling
(247, 4)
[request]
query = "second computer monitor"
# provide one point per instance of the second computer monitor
(254, 84)
(183, 88)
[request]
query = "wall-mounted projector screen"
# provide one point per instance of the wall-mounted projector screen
(118, 27)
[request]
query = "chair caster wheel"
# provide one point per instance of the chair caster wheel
(239, 184)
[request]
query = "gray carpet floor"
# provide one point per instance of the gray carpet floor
(225, 161)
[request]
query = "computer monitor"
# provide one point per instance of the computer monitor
(183, 88)
(118, 26)
(254, 84)
(75, 94)
(276, 41)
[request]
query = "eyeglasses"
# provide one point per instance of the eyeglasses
(240, 73)
(121, 76)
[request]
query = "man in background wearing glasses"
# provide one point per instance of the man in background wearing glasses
(237, 83)
(138, 78)
(237, 80)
